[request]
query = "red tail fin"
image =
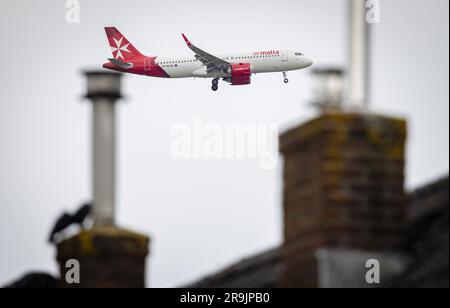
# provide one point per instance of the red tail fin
(121, 48)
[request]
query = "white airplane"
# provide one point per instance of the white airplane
(235, 69)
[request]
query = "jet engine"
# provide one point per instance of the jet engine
(240, 74)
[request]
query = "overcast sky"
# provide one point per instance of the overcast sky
(201, 215)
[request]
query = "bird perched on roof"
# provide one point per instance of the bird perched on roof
(66, 220)
(34, 281)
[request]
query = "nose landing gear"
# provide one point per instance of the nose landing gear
(286, 80)
(215, 84)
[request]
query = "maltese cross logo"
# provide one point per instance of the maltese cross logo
(119, 48)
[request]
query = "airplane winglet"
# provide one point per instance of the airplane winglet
(186, 40)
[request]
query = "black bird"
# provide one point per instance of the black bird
(34, 281)
(67, 220)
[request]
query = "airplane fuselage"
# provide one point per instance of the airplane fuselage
(188, 67)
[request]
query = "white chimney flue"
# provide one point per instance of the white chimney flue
(328, 88)
(103, 89)
(359, 54)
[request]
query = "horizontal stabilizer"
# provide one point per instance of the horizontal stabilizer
(121, 64)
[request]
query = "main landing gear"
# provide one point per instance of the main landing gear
(286, 80)
(215, 84)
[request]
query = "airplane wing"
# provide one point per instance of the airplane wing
(211, 62)
(121, 64)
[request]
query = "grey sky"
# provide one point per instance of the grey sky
(201, 215)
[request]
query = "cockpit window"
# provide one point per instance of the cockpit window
(299, 54)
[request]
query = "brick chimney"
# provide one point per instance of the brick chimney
(108, 256)
(343, 190)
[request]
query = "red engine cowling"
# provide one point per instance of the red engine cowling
(240, 74)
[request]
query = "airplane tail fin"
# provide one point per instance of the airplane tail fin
(121, 48)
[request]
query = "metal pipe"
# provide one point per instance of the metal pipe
(359, 54)
(103, 160)
(104, 91)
